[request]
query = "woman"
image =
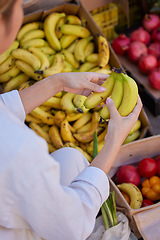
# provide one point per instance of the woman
(47, 196)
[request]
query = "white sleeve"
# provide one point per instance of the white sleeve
(13, 102)
(54, 211)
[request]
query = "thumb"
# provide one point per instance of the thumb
(112, 108)
(95, 87)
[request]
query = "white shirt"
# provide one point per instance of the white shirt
(33, 203)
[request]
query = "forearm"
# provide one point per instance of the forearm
(40, 92)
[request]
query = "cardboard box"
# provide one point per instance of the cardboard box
(144, 222)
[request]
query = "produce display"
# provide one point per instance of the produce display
(61, 43)
(142, 47)
(140, 183)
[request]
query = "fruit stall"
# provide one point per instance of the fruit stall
(101, 37)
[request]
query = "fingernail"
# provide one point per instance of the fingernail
(109, 100)
(102, 89)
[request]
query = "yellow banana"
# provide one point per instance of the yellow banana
(53, 102)
(56, 67)
(116, 95)
(130, 95)
(96, 98)
(66, 40)
(93, 58)
(50, 29)
(30, 118)
(77, 30)
(51, 148)
(72, 46)
(28, 27)
(25, 85)
(136, 127)
(132, 137)
(36, 128)
(85, 118)
(55, 137)
(73, 130)
(13, 72)
(70, 58)
(7, 65)
(43, 116)
(6, 54)
(134, 194)
(26, 56)
(103, 51)
(45, 108)
(48, 50)
(102, 70)
(80, 48)
(59, 94)
(15, 82)
(67, 67)
(66, 133)
(37, 42)
(46, 128)
(59, 117)
(73, 19)
(89, 49)
(86, 137)
(67, 103)
(37, 33)
(71, 117)
(41, 56)
(90, 147)
(101, 136)
(78, 100)
(28, 70)
(60, 22)
(87, 127)
(86, 66)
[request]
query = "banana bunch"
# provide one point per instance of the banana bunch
(134, 194)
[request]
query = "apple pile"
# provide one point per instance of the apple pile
(142, 47)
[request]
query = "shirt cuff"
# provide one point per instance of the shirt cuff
(13, 102)
(96, 177)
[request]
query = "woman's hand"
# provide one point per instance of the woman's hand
(121, 126)
(81, 82)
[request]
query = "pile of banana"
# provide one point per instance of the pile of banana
(61, 43)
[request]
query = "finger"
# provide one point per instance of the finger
(136, 111)
(95, 77)
(95, 87)
(112, 108)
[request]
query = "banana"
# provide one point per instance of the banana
(73, 19)
(36, 128)
(78, 100)
(48, 50)
(80, 48)
(72, 46)
(93, 58)
(87, 127)
(67, 103)
(89, 49)
(96, 98)
(59, 94)
(45, 108)
(66, 133)
(15, 82)
(37, 42)
(30, 118)
(60, 22)
(59, 117)
(71, 117)
(37, 33)
(13, 72)
(50, 29)
(116, 95)
(132, 137)
(51, 148)
(90, 147)
(101, 70)
(130, 95)
(28, 27)
(67, 67)
(134, 194)
(103, 51)
(25, 85)
(69, 57)
(86, 137)
(46, 128)
(73, 130)
(26, 56)
(41, 56)
(28, 70)
(77, 30)
(66, 40)
(85, 118)
(86, 66)
(6, 54)
(101, 136)
(56, 67)
(53, 102)
(136, 127)
(43, 116)
(55, 137)
(7, 65)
